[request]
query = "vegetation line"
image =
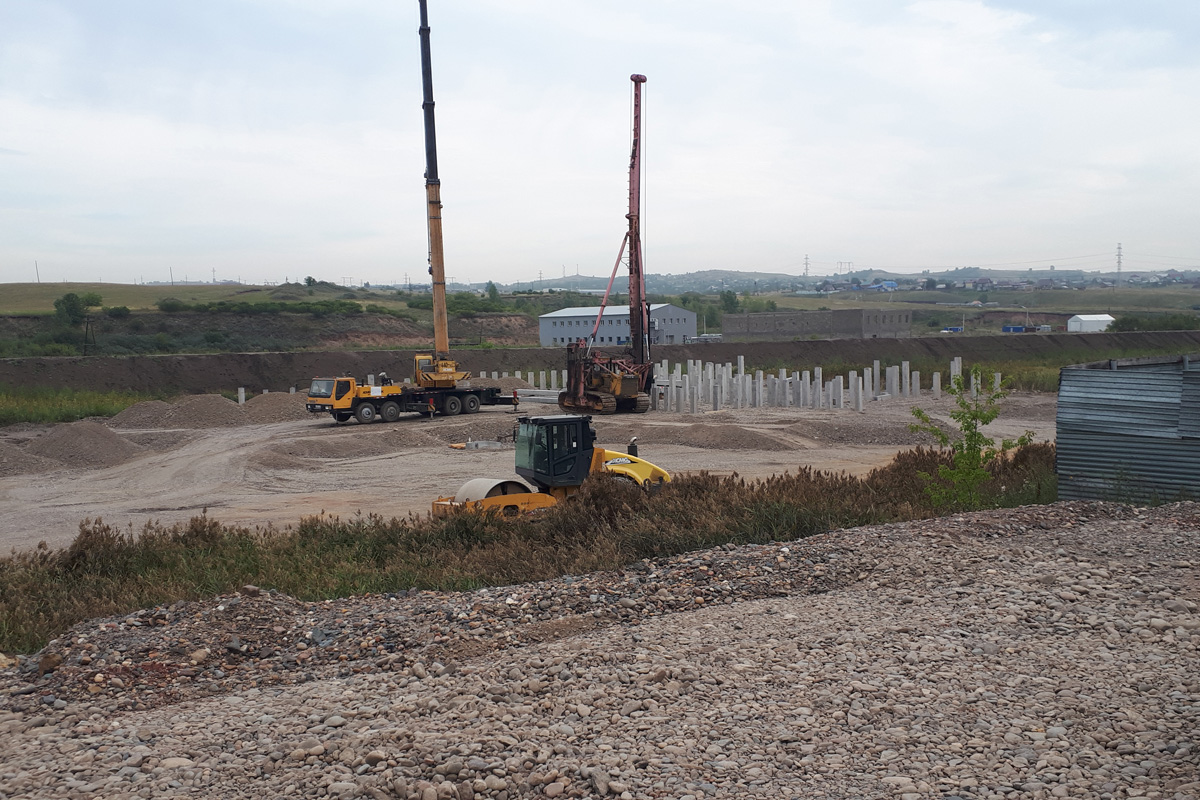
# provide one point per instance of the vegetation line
(108, 571)
(39, 404)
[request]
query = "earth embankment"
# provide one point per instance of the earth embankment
(279, 371)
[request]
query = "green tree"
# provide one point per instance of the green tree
(310, 281)
(931, 283)
(729, 301)
(957, 487)
(492, 292)
(70, 309)
(91, 299)
(171, 305)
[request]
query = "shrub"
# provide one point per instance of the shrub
(609, 524)
(70, 309)
(957, 486)
(118, 312)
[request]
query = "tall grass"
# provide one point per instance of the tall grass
(609, 524)
(43, 404)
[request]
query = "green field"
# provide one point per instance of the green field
(38, 298)
(1056, 301)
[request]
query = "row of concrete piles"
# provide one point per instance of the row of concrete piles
(695, 385)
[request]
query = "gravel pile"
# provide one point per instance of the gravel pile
(276, 407)
(864, 430)
(15, 461)
(149, 414)
(1037, 653)
(193, 411)
(83, 444)
(708, 435)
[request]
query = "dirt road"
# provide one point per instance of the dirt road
(168, 463)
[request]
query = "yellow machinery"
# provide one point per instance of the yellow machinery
(555, 454)
(345, 397)
(438, 385)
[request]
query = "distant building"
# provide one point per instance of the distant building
(1089, 323)
(669, 324)
(844, 323)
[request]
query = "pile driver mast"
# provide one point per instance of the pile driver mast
(639, 310)
(601, 384)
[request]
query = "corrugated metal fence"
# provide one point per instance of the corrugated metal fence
(1129, 430)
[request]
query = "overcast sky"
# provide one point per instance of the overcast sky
(270, 139)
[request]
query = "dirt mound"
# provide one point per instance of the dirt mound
(489, 427)
(149, 414)
(862, 429)
(84, 444)
(359, 444)
(160, 441)
(205, 411)
(616, 435)
(195, 411)
(15, 461)
(276, 407)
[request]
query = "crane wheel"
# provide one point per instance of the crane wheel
(452, 406)
(470, 404)
(365, 413)
(390, 411)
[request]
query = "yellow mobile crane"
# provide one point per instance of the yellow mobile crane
(438, 385)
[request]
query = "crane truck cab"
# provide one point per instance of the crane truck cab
(433, 373)
(554, 455)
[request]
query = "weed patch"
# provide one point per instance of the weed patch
(609, 524)
(44, 405)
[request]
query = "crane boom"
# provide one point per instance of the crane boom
(433, 197)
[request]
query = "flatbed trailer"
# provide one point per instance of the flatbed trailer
(344, 398)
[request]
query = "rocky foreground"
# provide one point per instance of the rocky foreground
(1043, 652)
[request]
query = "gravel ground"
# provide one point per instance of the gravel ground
(1034, 653)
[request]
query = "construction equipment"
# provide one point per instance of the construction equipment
(345, 397)
(554, 454)
(438, 385)
(606, 384)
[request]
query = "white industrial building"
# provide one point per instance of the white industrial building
(1089, 323)
(669, 324)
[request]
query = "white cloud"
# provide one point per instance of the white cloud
(271, 137)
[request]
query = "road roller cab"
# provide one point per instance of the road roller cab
(556, 451)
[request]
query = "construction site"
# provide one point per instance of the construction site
(272, 462)
(1043, 650)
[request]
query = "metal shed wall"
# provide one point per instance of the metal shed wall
(1130, 434)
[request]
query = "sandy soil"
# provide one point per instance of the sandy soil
(168, 462)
